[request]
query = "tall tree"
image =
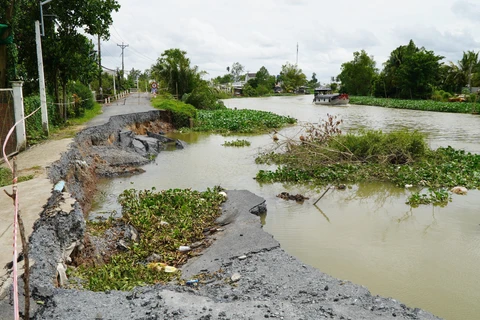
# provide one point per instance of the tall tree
(7, 11)
(236, 70)
(174, 71)
(292, 77)
(313, 83)
(63, 41)
(357, 76)
(468, 66)
(411, 72)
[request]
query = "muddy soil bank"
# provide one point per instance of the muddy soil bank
(117, 147)
(267, 282)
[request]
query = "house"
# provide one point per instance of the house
(250, 75)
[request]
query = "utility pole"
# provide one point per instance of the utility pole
(100, 89)
(41, 76)
(296, 62)
(123, 46)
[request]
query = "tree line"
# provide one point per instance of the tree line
(69, 59)
(410, 73)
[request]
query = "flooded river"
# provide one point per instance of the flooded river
(426, 257)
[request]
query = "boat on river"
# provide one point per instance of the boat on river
(323, 95)
(335, 99)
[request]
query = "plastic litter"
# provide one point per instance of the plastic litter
(159, 266)
(192, 282)
(59, 186)
(184, 248)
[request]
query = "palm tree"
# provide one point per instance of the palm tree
(467, 65)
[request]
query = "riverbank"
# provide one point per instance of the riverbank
(272, 283)
(424, 105)
(267, 283)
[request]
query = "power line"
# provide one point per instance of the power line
(132, 48)
(123, 46)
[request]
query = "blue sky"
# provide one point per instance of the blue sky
(259, 33)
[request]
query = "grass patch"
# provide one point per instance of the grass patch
(425, 105)
(165, 221)
(400, 157)
(228, 121)
(181, 112)
(88, 115)
(237, 143)
(6, 177)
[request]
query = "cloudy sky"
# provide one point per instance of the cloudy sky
(256, 33)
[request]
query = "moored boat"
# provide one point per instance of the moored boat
(331, 99)
(323, 95)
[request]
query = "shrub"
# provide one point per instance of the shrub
(202, 97)
(249, 91)
(262, 90)
(82, 98)
(397, 147)
(181, 112)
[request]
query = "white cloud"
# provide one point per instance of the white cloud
(217, 33)
(467, 10)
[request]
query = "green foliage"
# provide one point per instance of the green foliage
(203, 97)
(436, 197)
(236, 70)
(174, 72)
(164, 220)
(440, 95)
(426, 105)
(357, 76)
(410, 72)
(237, 143)
(396, 147)
(6, 177)
(239, 121)
(181, 112)
(313, 83)
(264, 79)
(262, 90)
(88, 115)
(82, 98)
(225, 79)
(399, 157)
(248, 90)
(292, 77)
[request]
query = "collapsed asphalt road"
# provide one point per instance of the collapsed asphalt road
(271, 284)
(250, 276)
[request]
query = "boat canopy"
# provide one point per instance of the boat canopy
(327, 96)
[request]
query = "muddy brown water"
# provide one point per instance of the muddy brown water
(427, 257)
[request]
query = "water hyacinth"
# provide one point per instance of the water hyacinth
(239, 121)
(425, 105)
(165, 221)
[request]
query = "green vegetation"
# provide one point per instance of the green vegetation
(326, 156)
(292, 77)
(6, 177)
(181, 112)
(88, 115)
(229, 121)
(357, 75)
(410, 73)
(439, 197)
(237, 143)
(426, 105)
(165, 221)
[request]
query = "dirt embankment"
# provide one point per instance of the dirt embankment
(117, 147)
(249, 275)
